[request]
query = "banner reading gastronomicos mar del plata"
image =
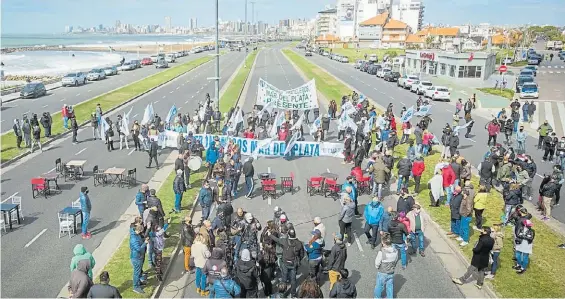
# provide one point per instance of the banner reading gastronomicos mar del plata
(301, 98)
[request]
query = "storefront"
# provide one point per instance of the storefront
(472, 66)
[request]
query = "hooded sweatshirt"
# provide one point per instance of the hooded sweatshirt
(80, 283)
(80, 253)
(247, 274)
(214, 264)
(343, 289)
(386, 260)
(338, 256)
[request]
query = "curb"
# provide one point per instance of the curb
(59, 136)
(246, 83)
(319, 94)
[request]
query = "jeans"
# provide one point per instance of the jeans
(521, 147)
(448, 193)
(66, 122)
(515, 126)
(377, 189)
(205, 213)
(200, 281)
(402, 249)
(402, 182)
(464, 227)
(455, 225)
(494, 265)
(315, 269)
(345, 229)
(522, 259)
(249, 184)
(426, 149)
(371, 231)
(137, 268)
(525, 116)
(420, 235)
(507, 211)
(289, 275)
(384, 281)
(85, 220)
(141, 208)
(178, 199)
(234, 185)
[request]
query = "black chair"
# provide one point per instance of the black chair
(72, 173)
(58, 165)
(132, 177)
(98, 176)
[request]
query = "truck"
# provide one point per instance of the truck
(554, 45)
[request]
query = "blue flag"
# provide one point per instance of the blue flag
(424, 110)
(407, 115)
(171, 114)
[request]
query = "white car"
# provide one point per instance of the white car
(421, 87)
(406, 81)
(438, 93)
(381, 72)
(170, 58)
(507, 60)
(127, 66)
(154, 58)
(96, 74)
(529, 90)
(75, 79)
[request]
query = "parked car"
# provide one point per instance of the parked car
(325, 53)
(358, 63)
(406, 81)
(170, 58)
(438, 93)
(136, 63)
(344, 59)
(373, 58)
(154, 58)
(531, 68)
(366, 65)
(146, 61)
(421, 87)
(527, 72)
(529, 90)
(521, 80)
(535, 59)
(507, 60)
(381, 74)
(127, 66)
(96, 74)
(392, 76)
(308, 53)
(161, 64)
(33, 90)
(111, 70)
(374, 69)
(74, 79)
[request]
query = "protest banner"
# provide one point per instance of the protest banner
(301, 98)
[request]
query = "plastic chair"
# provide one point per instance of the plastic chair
(287, 183)
(98, 176)
(363, 185)
(314, 185)
(269, 188)
(76, 205)
(332, 188)
(17, 200)
(66, 224)
(38, 186)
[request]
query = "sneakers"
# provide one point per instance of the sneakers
(490, 276)
(545, 218)
(456, 281)
(562, 246)
(138, 290)
(459, 239)
(520, 271)
(422, 254)
(463, 244)
(205, 293)
(478, 286)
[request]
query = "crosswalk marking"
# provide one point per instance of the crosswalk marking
(552, 111)
(535, 118)
(548, 115)
(553, 66)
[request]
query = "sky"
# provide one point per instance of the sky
(51, 16)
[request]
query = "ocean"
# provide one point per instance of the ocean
(34, 63)
(12, 41)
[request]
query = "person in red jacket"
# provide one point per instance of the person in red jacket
(65, 114)
(418, 168)
(493, 128)
(392, 123)
(283, 132)
(249, 134)
(448, 180)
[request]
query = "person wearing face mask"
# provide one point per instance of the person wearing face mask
(85, 207)
(560, 152)
(521, 141)
(543, 132)
(550, 143)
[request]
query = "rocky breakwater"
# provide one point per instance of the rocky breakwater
(34, 48)
(32, 78)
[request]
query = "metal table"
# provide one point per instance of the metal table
(117, 174)
(51, 177)
(77, 164)
(8, 208)
(73, 212)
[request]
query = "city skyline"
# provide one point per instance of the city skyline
(15, 15)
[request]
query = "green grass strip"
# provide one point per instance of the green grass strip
(107, 101)
(505, 93)
(539, 281)
(230, 96)
(119, 266)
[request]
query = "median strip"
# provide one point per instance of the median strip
(107, 101)
(233, 91)
(538, 281)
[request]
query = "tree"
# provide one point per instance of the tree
(429, 41)
(391, 53)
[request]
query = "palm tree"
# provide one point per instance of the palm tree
(429, 40)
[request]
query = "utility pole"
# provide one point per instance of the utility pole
(253, 20)
(217, 54)
(245, 38)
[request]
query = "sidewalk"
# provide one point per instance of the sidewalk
(112, 241)
(16, 95)
(484, 100)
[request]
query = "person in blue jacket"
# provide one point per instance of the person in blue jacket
(212, 155)
(137, 250)
(373, 214)
(205, 200)
(225, 286)
(85, 207)
(314, 250)
(141, 199)
(385, 220)
(353, 193)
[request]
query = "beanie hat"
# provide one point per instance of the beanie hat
(245, 255)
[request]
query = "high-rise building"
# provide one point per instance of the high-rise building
(68, 29)
(410, 12)
(168, 24)
(191, 27)
(195, 23)
(117, 26)
(326, 22)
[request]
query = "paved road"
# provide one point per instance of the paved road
(35, 262)
(54, 100)
(427, 272)
(472, 149)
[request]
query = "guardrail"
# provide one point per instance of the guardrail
(18, 88)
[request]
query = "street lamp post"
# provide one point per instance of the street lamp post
(217, 48)
(245, 38)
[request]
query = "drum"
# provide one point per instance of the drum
(194, 163)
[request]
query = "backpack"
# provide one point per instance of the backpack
(291, 254)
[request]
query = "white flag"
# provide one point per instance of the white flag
(291, 143)
(315, 125)
(268, 108)
(298, 123)
(407, 115)
(369, 125)
(261, 145)
(125, 122)
(104, 126)
(458, 128)
(148, 114)
(278, 121)
(236, 118)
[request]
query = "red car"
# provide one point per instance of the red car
(146, 61)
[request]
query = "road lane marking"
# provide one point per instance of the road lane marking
(35, 238)
(44, 106)
(198, 91)
(561, 110)
(172, 91)
(131, 151)
(449, 110)
(78, 94)
(156, 101)
(192, 96)
(541, 176)
(164, 97)
(135, 115)
(51, 170)
(62, 100)
(79, 152)
(10, 197)
(358, 242)
(471, 140)
(178, 87)
(186, 102)
(89, 90)
(400, 102)
(201, 87)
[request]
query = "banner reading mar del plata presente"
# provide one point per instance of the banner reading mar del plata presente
(301, 98)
